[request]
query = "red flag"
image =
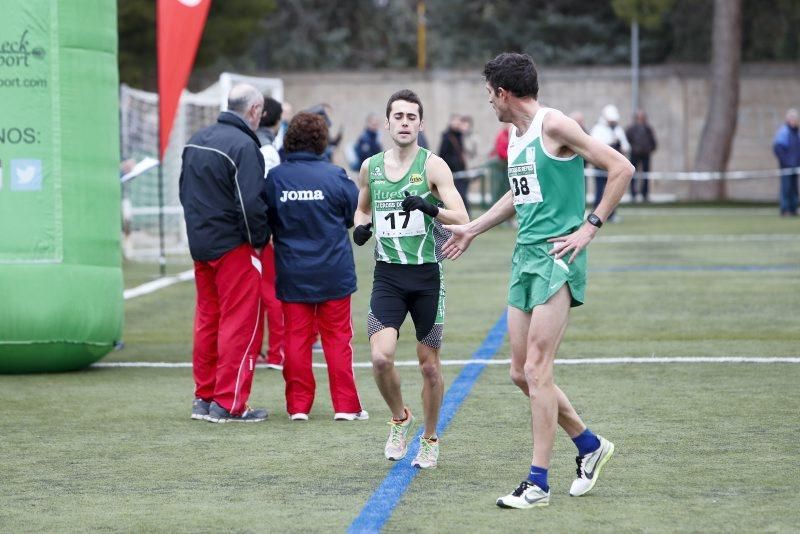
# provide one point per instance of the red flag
(179, 26)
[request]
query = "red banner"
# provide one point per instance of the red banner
(179, 26)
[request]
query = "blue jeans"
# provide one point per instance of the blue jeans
(789, 194)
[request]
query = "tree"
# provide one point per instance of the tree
(714, 149)
(226, 34)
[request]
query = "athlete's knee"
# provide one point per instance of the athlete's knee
(382, 362)
(518, 378)
(537, 374)
(431, 371)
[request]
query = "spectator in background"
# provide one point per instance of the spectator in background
(499, 165)
(267, 127)
(368, 144)
(643, 144)
(422, 140)
(501, 144)
(609, 132)
(286, 116)
(451, 150)
(469, 140)
(326, 112)
(787, 149)
(272, 307)
(311, 206)
(222, 192)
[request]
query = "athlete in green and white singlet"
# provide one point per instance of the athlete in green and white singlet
(549, 196)
(545, 156)
(402, 237)
(405, 196)
(549, 192)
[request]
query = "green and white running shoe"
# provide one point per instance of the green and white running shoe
(527, 495)
(589, 467)
(397, 444)
(428, 454)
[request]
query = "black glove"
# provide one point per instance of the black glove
(414, 202)
(362, 233)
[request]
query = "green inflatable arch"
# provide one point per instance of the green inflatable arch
(61, 303)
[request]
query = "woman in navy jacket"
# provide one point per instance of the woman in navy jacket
(311, 205)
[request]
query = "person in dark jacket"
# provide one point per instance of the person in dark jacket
(368, 144)
(787, 149)
(643, 143)
(311, 206)
(222, 193)
(451, 150)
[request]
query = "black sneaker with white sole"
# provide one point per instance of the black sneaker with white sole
(200, 409)
(218, 414)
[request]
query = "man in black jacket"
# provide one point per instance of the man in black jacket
(643, 143)
(224, 204)
(451, 150)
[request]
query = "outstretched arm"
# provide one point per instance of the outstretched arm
(463, 234)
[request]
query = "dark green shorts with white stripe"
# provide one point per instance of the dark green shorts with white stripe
(537, 275)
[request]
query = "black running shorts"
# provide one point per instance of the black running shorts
(401, 289)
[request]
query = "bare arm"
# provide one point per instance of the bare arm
(463, 234)
(565, 132)
(441, 180)
(363, 213)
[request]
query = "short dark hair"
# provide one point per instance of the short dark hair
(404, 94)
(272, 113)
(307, 132)
(513, 72)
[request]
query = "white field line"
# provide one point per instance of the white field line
(575, 361)
(155, 285)
(700, 238)
(631, 209)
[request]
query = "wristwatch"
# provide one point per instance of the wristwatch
(594, 220)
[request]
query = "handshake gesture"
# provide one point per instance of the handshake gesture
(363, 232)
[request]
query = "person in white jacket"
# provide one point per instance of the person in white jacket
(609, 132)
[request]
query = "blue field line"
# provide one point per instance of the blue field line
(381, 504)
(702, 268)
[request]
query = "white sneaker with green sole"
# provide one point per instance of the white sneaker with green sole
(397, 444)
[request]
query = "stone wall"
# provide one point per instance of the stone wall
(674, 96)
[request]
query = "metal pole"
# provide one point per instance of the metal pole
(634, 66)
(162, 256)
(421, 37)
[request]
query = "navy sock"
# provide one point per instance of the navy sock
(538, 476)
(586, 442)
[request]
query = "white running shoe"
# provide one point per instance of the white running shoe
(589, 467)
(428, 454)
(363, 415)
(298, 416)
(397, 444)
(527, 495)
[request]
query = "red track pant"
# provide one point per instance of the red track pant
(226, 327)
(272, 307)
(336, 330)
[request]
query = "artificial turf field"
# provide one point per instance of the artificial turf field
(700, 446)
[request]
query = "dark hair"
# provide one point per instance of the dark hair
(272, 113)
(404, 94)
(515, 73)
(307, 132)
